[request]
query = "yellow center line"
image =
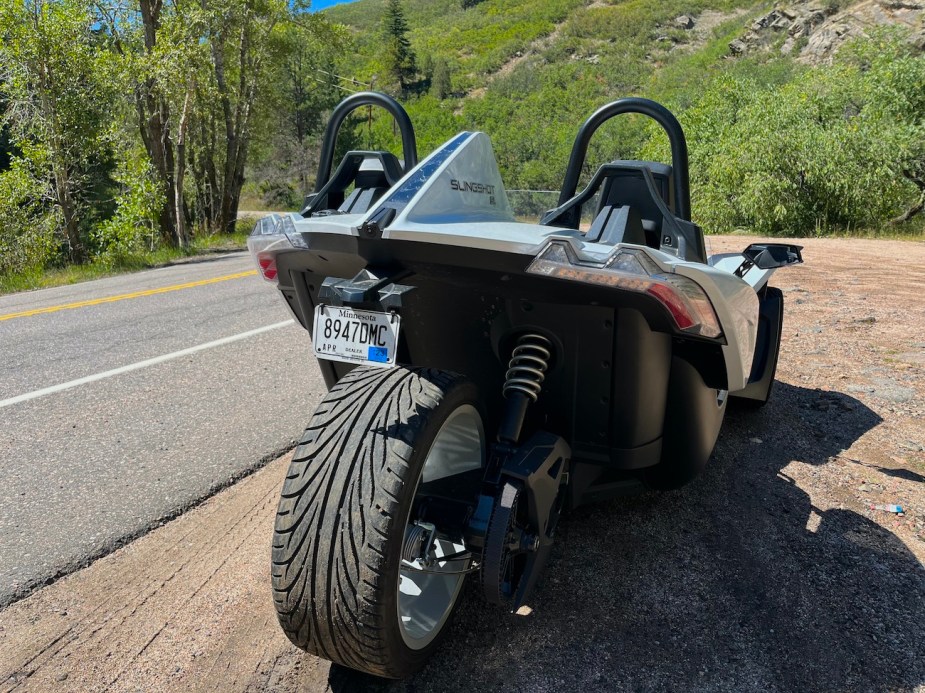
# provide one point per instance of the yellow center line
(122, 297)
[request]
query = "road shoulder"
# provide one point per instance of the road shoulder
(186, 607)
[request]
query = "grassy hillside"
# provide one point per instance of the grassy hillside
(528, 72)
(765, 126)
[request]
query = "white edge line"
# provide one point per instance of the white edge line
(141, 364)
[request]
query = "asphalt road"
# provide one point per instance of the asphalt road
(90, 465)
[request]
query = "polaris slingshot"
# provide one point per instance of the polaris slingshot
(485, 373)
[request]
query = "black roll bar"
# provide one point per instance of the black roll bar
(660, 115)
(346, 107)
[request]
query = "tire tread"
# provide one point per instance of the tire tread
(339, 504)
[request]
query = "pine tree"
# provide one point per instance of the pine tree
(399, 57)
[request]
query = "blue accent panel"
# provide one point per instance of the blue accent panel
(378, 354)
(400, 198)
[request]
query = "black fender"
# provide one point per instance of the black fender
(693, 416)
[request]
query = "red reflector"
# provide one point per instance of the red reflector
(674, 304)
(267, 266)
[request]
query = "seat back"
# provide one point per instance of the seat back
(625, 185)
(621, 224)
(646, 188)
(370, 173)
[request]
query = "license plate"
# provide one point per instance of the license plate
(355, 336)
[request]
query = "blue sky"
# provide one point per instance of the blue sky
(322, 4)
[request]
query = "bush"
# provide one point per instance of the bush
(276, 193)
(134, 225)
(836, 148)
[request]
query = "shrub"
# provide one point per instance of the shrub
(836, 148)
(138, 203)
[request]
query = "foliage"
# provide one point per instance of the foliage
(441, 82)
(528, 72)
(132, 228)
(127, 126)
(286, 148)
(838, 148)
(55, 110)
(27, 229)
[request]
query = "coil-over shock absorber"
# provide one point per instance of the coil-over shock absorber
(523, 381)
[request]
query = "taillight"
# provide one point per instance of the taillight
(630, 269)
(271, 236)
(682, 318)
(267, 265)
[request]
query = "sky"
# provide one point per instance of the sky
(322, 4)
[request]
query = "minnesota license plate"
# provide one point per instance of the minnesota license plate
(355, 336)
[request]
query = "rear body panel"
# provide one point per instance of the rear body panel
(626, 387)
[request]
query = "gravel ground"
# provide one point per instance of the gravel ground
(771, 572)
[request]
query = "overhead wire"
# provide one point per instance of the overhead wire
(336, 86)
(346, 79)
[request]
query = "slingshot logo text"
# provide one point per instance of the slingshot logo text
(468, 186)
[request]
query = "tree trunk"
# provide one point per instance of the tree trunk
(76, 252)
(919, 181)
(917, 208)
(236, 108)
(63, 180)
(180, 168)
(154, 119)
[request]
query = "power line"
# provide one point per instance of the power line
(346, 79)
(329, 84)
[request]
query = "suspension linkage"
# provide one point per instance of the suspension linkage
(459, 556)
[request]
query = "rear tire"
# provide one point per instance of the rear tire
(339, 583)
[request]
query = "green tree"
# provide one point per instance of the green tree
(158, 49)
(441, 81)
(56, 108)
(28, 224)
(303, 88)
(202, 76)
(399, 59)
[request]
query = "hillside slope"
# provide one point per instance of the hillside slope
(529, 72)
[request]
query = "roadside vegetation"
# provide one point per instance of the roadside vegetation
(777, 146)
(128, 128)
(108, 265)
(140, 130)
(835, 149)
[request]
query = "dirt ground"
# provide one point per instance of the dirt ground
(771, 572)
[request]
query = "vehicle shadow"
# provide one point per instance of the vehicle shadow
(739, 581)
